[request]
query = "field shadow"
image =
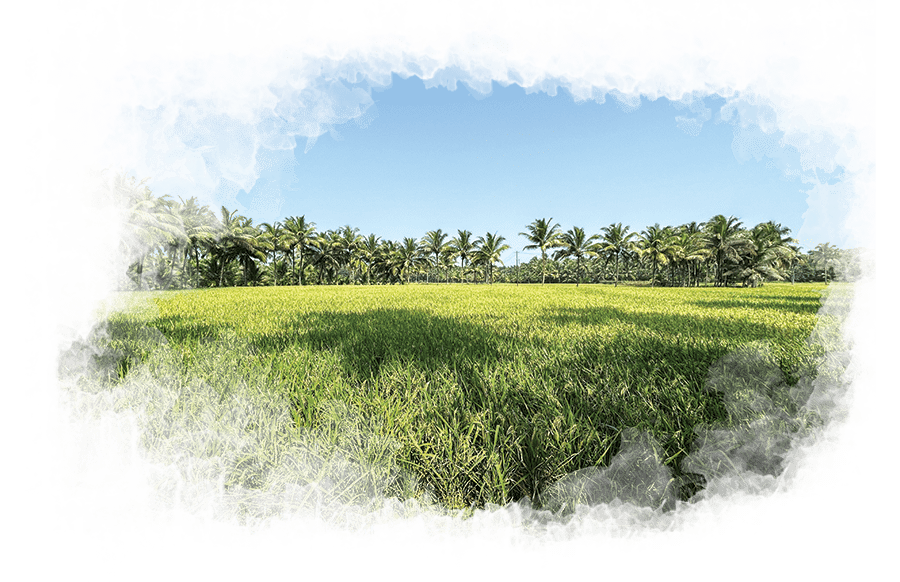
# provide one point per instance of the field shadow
(366, 341)
(101, 348)
(799, 304)
(661, 322)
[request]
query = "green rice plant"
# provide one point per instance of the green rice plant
(461, 394)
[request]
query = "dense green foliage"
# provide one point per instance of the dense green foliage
(464, 394)
(178, 245)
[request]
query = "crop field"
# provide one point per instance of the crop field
(463, 395)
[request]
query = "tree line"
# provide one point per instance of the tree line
(180, 244)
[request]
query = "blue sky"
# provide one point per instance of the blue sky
(398, 143)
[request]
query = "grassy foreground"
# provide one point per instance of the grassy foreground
(467, 395)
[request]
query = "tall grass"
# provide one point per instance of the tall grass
(465, 395)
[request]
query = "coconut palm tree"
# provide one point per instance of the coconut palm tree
(200, 229)
(172, 248)
(463, 247)
(238, 239)
(776, 236)
(824, 255)
(149, 221)
(433, 244)
(688, 250)
(254, 255)
(156, 270)
(542, 235)
(274, 234)
(692, 250)
(251, 246)
(488, 250)
(349, 241)
(797, 259)
(194, 229)
(258, 272)
(368, 252)
(673, 251)
(409, 258)
(387, 261)
(325, 251)
(727, 242)
(303, 235)
(654, 244)
(617, 243)
(445, 261)
(772, 234)
(143, 221)
(766, 258)
(575, 243)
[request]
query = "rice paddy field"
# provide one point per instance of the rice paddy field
(462, 396)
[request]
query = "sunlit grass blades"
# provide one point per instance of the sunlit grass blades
(462, 394)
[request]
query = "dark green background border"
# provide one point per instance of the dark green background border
(845, 533)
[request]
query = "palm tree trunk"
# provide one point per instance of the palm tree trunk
(300, 274)
(141, 270)
(183, 268)
(293, 260)
(174, 256)
(543, 267)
